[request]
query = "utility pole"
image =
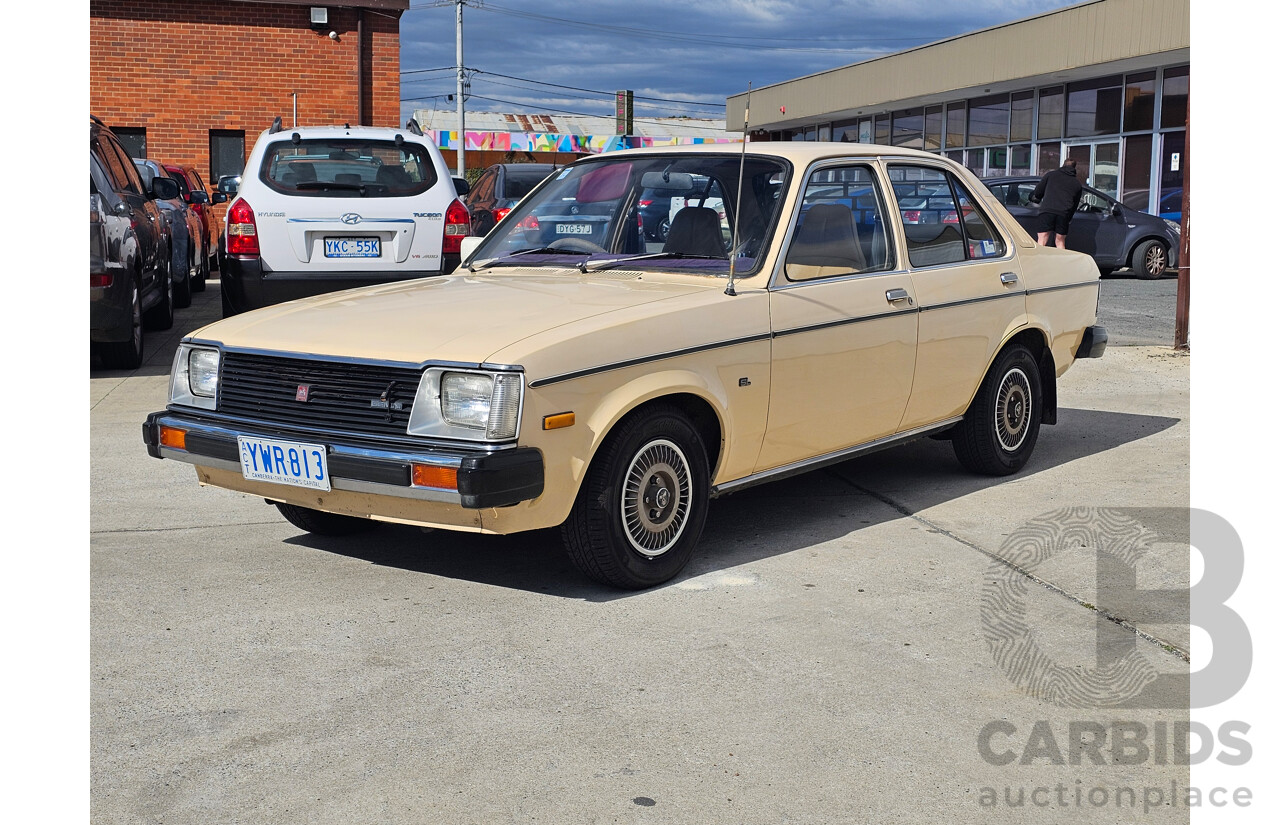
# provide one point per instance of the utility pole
(1182, 320)
(462, 106)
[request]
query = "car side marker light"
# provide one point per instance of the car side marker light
(429, 475)
(558, 421)
(173, 437)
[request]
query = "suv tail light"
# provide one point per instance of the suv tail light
(499, 214)
(242, 230)
(457, 225)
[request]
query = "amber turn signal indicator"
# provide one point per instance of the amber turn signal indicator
(428, 475)
(557, 421)
(170, 437)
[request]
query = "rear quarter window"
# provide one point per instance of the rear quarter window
(347, 168)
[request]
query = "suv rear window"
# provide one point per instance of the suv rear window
(345, 168)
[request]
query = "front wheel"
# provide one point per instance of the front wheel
(1000, 429)
(322, 523)
(160, 316)
(1150, 260)
(643, 503)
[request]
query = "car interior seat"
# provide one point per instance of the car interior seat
(825, 244)
(393, 175)
(347, 177)
(695, 230)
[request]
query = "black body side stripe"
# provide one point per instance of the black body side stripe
(556, 379)
(844, 321)
(967, 301)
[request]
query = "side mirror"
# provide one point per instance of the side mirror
(469, 244)
(1117, 210)
(164, 189)
(219, 197)
(122, 208)
(229, 184)
(461, 186)
(199, 197)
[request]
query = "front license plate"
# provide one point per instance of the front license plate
(284, 462)
(352, 248)
(573, 229)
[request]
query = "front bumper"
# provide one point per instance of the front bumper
(1093, 343)
(499, 478)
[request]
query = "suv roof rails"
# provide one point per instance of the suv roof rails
(413, 126)
(276, 125)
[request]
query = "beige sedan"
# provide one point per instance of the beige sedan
(812, 302)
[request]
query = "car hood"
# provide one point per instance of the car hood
(460, 318)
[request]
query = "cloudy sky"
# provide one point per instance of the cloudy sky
(673, 54)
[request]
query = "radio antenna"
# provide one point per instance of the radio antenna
(737, 204)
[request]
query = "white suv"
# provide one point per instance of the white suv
(324, 208)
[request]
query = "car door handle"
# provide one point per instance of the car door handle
(1008, 278)
(893, 296)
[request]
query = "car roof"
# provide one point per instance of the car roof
(798, 152)
(371, 132)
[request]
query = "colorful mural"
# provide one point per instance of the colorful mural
(540, 142)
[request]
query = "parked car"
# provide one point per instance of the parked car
(1115, 235)
(185, 229)
(325, 208)
(199, 199)
(571, 377)
(499, 188)
(129, 282)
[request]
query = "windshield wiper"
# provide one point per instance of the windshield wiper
(545, 250)
(599, 265)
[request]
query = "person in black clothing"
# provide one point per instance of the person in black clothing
(1058, 194)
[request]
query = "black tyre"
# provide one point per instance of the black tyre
(201, 276)
(182, 290)
(664, 230)
(227, 309)
(1002, 424)
(322, 523)
(643, 503)
(160, 316)
(1150, 260)
(125, 355)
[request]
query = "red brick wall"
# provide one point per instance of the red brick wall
(182, 67)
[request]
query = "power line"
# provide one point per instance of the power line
(608, 95)
(599, 91)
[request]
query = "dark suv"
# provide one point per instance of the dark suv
(1115, 235)
(129, 242)
(201, 202)
(499, 188)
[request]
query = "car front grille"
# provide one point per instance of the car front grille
(356, 398)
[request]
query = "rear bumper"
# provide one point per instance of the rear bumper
(246, 286)
(485, 479)
(110, 311)
(1093, 343)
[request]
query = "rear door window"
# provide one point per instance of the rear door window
(348, 168)
(941, 220)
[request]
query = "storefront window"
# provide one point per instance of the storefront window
(1137, 172)
(845, 131)
(1049, 157)
(1021, 112)
(1020, 159)
(989, 120)
(1139, 101)
(1049, 123)
(955, 125)
(997, 160)
(1093, 106)
(1172, 163)
(908, 128)
(824, 132)
(974, 159)
(933, 128)
(1173, 107)
(882, 130)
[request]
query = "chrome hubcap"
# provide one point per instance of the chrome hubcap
(656, 493)
(1013, 410)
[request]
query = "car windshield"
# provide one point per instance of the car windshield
(348, 167)
(589, 215)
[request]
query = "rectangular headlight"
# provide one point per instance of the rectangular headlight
(474, 405)
(465, 398)
(194, 378)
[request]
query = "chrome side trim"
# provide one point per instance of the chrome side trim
(1063, 286)
(830, 458)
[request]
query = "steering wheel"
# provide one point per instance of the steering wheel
(575, 245)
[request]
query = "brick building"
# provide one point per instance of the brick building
(195, 81)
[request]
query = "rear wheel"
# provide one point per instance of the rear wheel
(1150, 260)
(322, 523)
(126, 355)
(1000, 429)
(201, 275)
(182, 290)
(643, 503)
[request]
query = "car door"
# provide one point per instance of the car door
(1097, 229)
(969, 290)
(128, 186)
(843, 316)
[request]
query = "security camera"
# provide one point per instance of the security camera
(333, 35)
